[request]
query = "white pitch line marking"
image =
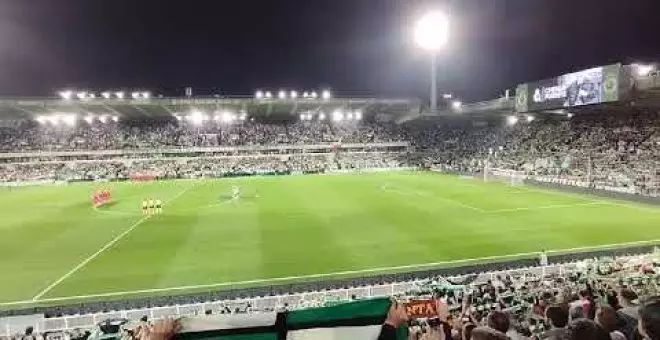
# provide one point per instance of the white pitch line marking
(102, 249)
(411, 192)
(553, 206)
(331, 275)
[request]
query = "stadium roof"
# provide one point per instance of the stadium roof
(30, 108)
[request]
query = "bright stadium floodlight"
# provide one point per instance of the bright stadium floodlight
(431, 33)
(643, 70)
(569, 115)
(178, 118)
(314, 95)
(42, 120)
(146, 95)
(135, 95)
(259, 94)
(337, 116)
(66, 95)
(91, 96)
(53, 119)
(530, 118)
(293, 94)
(321, 116)
(269, 95)
(358, 115)
(447, 96)
(69, 119)
(326, 94)
(119, 95)
(81, 95)
(456, 105)
(349, 115)
(197, 117)
(302, 116)
(305, 94)
(243, 116)
(103, 119)
(501, 148)
(511, 120)
(115, 118)
(228, 117)
(106, 95)
(281, 94)
(89, 119)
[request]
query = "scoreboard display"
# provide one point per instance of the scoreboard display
(593, 86)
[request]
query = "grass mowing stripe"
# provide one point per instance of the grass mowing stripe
(383, 270)
(101, 250)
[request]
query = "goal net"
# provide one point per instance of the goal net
(511, 177)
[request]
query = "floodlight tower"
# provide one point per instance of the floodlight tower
(431, 33)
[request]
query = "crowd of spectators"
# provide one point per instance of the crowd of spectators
(609, 298)
(606, 149)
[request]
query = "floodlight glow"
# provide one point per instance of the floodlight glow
(91, 96)
(432, 31)
(569, 115)
(325, 94)
(511, 120)
(281, 95)
(53, 120)
(120, 95)
(446, 96)
(305, 94)
(115, 119)
(337, 116)
(243, 116)
(103, 119)
(314, 95)
(644, 70)
(178, 118)
(81, 95)
(89, 119)
(269, 95)
(66, 95)
(259, 94)
(501, 148)
(228, 117)
(197, 117)
(530, 118)
(146, 95)
(349, 116)
(321, 116)
(358, 115)
(302, 116)
(456, 105)
(135, 95)
(106, 95)
(294, 94)
(69, 119)
(42, 119)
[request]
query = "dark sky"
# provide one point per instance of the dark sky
(356, 47)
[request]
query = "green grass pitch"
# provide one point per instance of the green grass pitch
(54, 245)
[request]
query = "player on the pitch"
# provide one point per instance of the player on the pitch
(235, 193)
(145, 207)
(159, 206)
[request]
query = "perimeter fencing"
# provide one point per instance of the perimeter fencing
(296, 295)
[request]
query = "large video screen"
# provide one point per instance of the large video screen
(573, 89)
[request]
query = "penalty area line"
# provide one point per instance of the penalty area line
(422, 266)
(101, 250)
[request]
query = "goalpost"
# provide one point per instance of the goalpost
(511, 177)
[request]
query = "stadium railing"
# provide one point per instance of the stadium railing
(298, 301)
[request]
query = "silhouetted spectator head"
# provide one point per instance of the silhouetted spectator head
(649, 319)
(557, 315)
(606, 318)
(585, 329)
(487, 333)
(499, 321)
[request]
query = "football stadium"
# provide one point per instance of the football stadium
(301, 213)
(185, 206)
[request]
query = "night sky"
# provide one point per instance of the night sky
(356, 47)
